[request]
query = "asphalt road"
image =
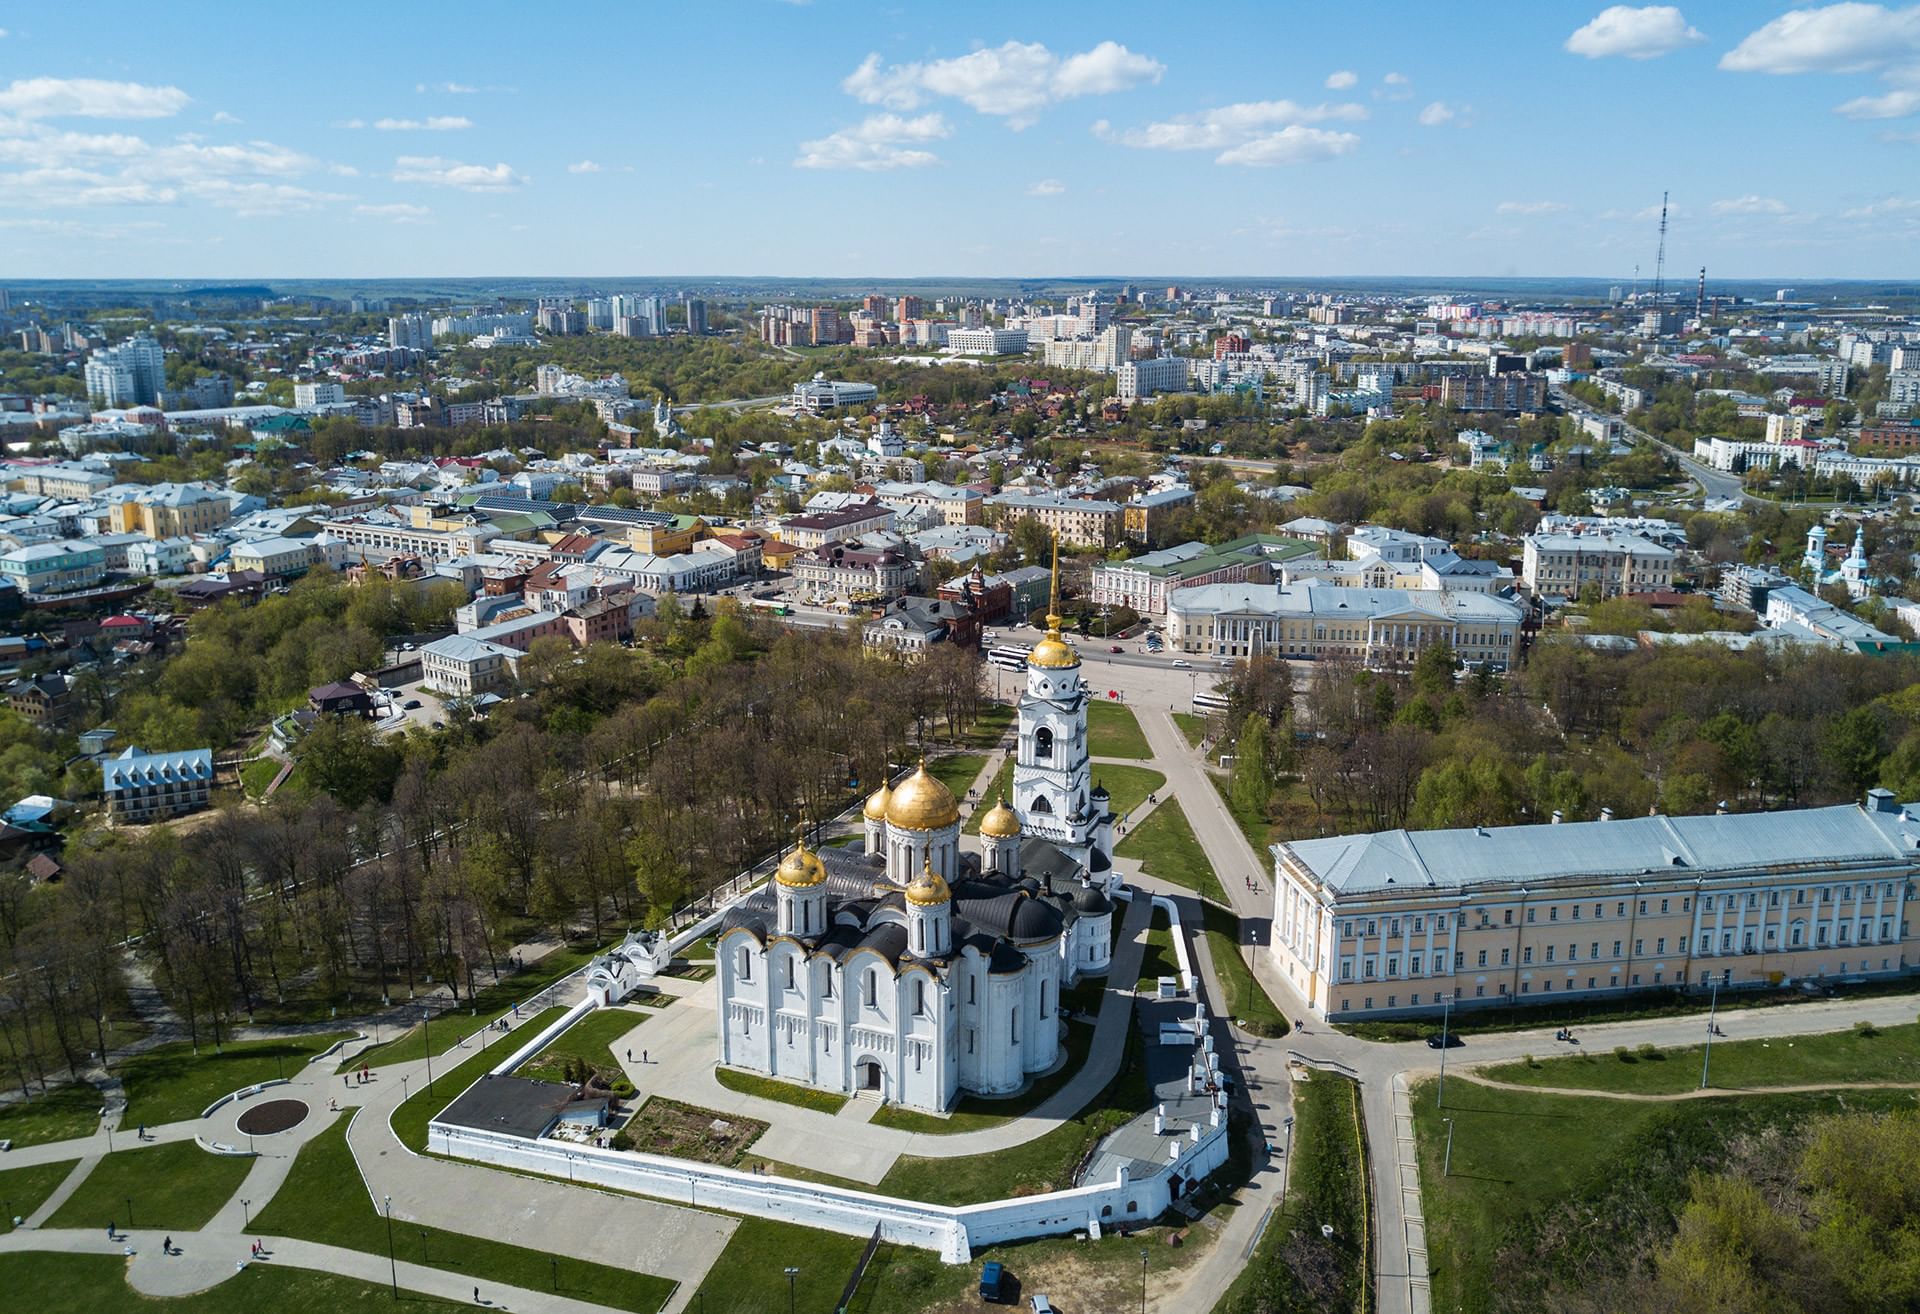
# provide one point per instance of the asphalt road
(1714, 483)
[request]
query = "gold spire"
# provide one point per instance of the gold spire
(1054, 651)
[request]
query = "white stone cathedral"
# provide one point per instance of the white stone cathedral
(916, 971)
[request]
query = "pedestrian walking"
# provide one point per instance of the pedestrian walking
(643, 1056)
(166, 1246)
(629, 1056)
(476, 1295)
(109, 1229)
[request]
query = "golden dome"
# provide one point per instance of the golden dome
(800, 869)
(876, 808)
(928, 888)
(1002, 822)
(1053, 651)
(922, 803)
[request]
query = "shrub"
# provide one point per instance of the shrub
(1622, 1053)
(1528, 1060)
(1651, 1053)
(1865, 1029)
(623, 1139)
(621, 1089)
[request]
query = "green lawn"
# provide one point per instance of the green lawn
(1113, 731)
(1128, 786)
(256, 775)
(172, 1083)
(1888, 1054)
(751, 1083)
(1294, 1267)
(1247, 1001)
(1000, 785)
(1560, 1188)
(411, 1118)
(96, 1284)
(975, 1113)
(1258, 830)
(750, 1277)
(987, 731)
(591, 1040)
(1044, 1164)
(1165, 845)
(1193, 727)
(469, 1016)
(59, 1115)
(1158, 960)
(325, 1199)
(957, 771)
(23, 1190)
(176, 1185)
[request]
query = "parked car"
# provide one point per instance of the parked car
(1182, 664)
(992, 1281)
(412, 704)
(1041, 1305)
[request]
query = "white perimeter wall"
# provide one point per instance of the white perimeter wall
(951, 1231)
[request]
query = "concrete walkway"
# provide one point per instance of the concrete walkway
(206, 1258)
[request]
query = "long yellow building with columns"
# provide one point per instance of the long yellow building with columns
(1399, 922)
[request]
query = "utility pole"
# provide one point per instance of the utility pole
(1286, 1169)
(1713, 1007)
(1446, 1007)
(1446, 1167)
(393, 1265)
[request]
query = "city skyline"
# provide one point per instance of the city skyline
(831, 140)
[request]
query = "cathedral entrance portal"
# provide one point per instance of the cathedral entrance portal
(869, 1075)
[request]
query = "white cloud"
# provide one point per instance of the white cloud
(1437, 113)
(1394, 86)
(1341, 80)
(89, 98)
(1047, 187)
(3, 34)
(399, 212)
(1397, 80)
(584, 166)
(1892, 205)
(1749, 204)
(1229, 125)
(1015, 80)
(260, 198)
(1291, 145)
(1843, 38)
(450, 88)
(884, 141)
(1530, 207)
(437, 172)
(1893, 105)
(435, 123)
(354, 124)
(1636, 33)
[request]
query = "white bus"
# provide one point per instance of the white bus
(1008, 657)
(1211, 702)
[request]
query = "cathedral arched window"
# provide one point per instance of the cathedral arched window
(1043, 742)
(1040, 803)
(873, 986)
(790, 984)
(920, 934)
(746, 963)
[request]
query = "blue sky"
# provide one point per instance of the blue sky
(750, 137)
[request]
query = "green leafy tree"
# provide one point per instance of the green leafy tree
(1253, 782)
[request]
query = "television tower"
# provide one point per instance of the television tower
(1700, 297)
(1660, 258)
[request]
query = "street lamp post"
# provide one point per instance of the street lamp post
(555, 1265)
(246, 1215)
(426, 1031)
(1446, 1008)
(1446, 1167)
(1143, 1282)
(1286, 1169)
(792, 1273)
(129, 1213)
(1712, 1007)
(393, 1265)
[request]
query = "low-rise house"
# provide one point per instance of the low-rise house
(45, 700)
(142, 786)
(340, 699)
(63, 567)
(911, 626)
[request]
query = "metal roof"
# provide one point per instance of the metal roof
(1658, 846)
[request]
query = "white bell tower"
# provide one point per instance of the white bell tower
(1052, 774)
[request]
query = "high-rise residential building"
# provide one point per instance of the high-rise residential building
(319, 394)
(874, 304)
(414, 332)
(825, 323)
(129, 374)
(696, 316)
(600, 314)
(909, 308)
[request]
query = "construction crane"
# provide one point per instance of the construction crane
(1660, 258)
